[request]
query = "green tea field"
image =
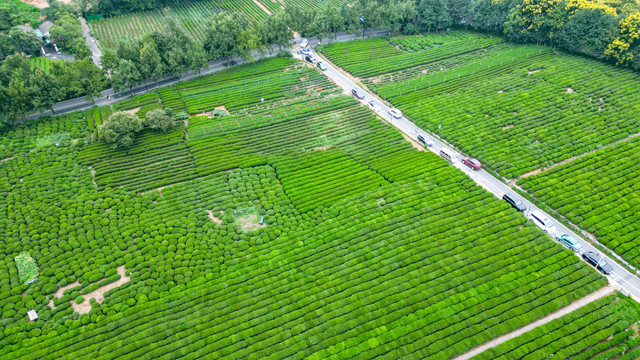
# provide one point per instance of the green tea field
(300, 227)
(562, 126)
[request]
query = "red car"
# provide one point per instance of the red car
(472, 163)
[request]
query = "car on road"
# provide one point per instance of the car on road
(395, 113)
(374, 105)
(601, 264)
(569, 241)
(310, 59)
(321, 66)
(472, 163)
(305, 51)
(514, 201)
(358, 93)
(304, 43)
(543, 222)
(425, 140)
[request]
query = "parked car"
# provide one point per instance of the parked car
(514, 201)
(594, 259)
(425, 140)
(304, 43)
(374, 105)
(568, 240)
(305, 51)
(310, 59)
(395, 113)
(321, 66)
(448, 155)
(358, 93)
(543, 222)
(472, 163)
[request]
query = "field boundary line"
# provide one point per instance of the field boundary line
(553, 316)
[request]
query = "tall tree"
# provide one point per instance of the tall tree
(125, 76)
(150, 62)
(45, 90)
(120, 129)
(589, 31)
(433, 14)
(223, 33)
(197, 56)
(277, 30)
(334, 22)
(109, 61)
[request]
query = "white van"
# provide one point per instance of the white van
(448, 155)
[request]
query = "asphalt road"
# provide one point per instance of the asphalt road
(620, 278)
(109, 96)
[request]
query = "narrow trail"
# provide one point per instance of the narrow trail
(262, 6)
(558, 314)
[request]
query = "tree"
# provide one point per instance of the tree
(276, 29)
(625, 46)
(197, 56)
(223, 33)
(401, 13)
(150, 62)
(461, 11)
(66, 32)
(120, 129)
(79, 78)
(125, 76)
(109, 61)
(351, 19)
(45, 90)
(28, 43)
(535, 20)
(334, 22)
(159, 119)
(589, 31)
(433, 14)
(490, 14)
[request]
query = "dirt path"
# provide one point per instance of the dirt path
(85, 306)
(538, 171)
(262, 6)
(558, 314)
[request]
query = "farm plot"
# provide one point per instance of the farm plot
(600, 330)
(599, 193)
(156, 159)
(434, 290)
(278, 5)
(42, 63)
(361, 63)
(192, 15)
(368, 247)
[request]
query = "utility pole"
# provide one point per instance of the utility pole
(362, 21)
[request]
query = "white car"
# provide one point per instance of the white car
(543, 222)
(304, 43)
(374, 105)
(395, 113)
(305, 51)
(425, 140)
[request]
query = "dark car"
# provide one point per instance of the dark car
(514, 201)
(310, 59)
(594, 259)
(472, 163)
(358, 93)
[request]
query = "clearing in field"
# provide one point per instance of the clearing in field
(372, 249)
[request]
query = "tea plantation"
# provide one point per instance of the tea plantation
(522, 110)
(298, 227)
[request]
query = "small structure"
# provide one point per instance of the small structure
(32, 314)
(262, 220)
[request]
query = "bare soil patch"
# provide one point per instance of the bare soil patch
(204, 113)
(500, 91)
(531, 173)
(132, 111)
(533, 71)
(222, 108)
(250, 222)
(41, 4)
(507, 127)
(414, 143)
(7, 159)
(569, 90)
(162, 188)
(98, 294)
(380, 202)
(61, 291)
(93, 176)
(321, 148)
(213, 218)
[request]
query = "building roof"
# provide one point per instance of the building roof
(33, 315)
(25, 28)
(44, 27)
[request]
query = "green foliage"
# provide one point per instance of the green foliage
(27, 268)
(159, 119)
(16, 12)
(120, 130)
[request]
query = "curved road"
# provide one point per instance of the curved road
(621, 278)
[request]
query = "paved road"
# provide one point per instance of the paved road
(96, 53)
(620, 278)
(110, 97)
